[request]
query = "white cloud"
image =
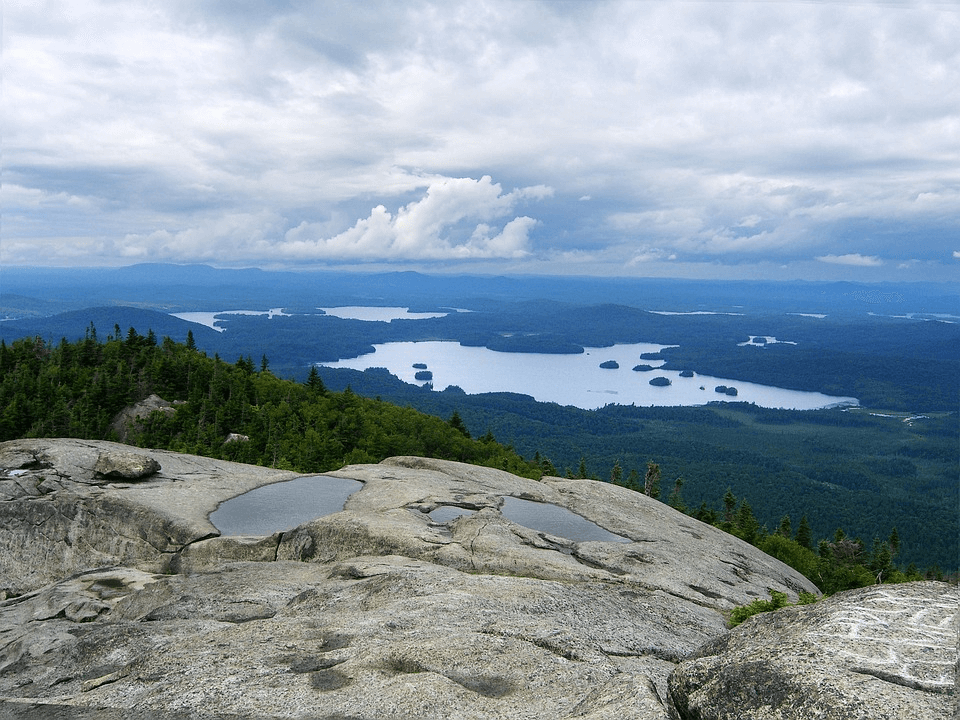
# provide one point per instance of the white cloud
(219, 239)
(852, 259)
(645, 255)
(956, 253)
(451, 221)
(716, 132)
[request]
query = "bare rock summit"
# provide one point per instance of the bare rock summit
(123, 600)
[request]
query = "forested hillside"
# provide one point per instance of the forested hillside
(76, 390)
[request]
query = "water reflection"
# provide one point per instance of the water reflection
(542, 517)
(283, 505)
(555, 520)
(448, 513)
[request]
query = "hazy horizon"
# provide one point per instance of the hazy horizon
(776, 139)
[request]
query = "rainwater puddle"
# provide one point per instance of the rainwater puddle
(283, 505)
(542, 517)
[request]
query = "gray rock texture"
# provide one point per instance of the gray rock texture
(123, 601)
(61, 513)
(129, 421)
(886, 652)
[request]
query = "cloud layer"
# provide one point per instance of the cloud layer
(621, 137)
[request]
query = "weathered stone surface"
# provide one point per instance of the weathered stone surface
(885, 652)
(129, 421)
(59, 515)
(131, 605)
(670, 552)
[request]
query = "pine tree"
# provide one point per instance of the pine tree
(804, 535)
(676, 500)
(894, 542)
(746, 523)
(314, 381)
(456, 422)
(729, 505)
(616, 473)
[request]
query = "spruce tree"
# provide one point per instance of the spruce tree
(804, 535)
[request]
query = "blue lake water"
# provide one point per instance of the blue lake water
(380, 314)
(576, 380)
(283, 505)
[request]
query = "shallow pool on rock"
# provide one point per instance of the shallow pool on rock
(283, 505)
(542, 517)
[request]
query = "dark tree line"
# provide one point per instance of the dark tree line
(77, 389)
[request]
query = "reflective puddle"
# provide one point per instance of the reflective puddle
(542, 517)
(283, 505)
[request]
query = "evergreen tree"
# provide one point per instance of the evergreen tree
(676, 499)
(729, 505)
(616, 473)
(784, 528)
(456, 422)
(747, 524)
(881, 562)
(315, 382)
(894, 542)
(804, 535)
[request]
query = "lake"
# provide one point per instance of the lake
(576, 380)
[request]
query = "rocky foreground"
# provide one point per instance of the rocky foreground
(123, 601)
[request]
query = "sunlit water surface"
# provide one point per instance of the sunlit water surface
(577, 379)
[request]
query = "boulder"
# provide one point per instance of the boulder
(125, 465)
(886, 652)
(129, 421)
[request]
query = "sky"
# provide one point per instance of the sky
(765, 139)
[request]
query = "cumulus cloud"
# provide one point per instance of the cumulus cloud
(852, 259)
(455, 219)
(956, 253)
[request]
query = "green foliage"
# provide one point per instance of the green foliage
(76, 389)
(777, 600)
